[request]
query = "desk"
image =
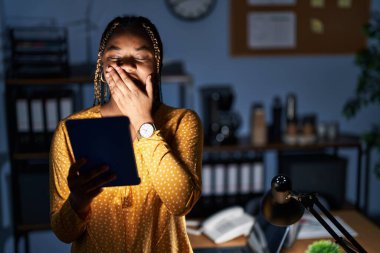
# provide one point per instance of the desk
(368, 237)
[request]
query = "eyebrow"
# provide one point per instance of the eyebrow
(116, 48)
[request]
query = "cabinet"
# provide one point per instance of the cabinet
(33, 108)
(210, 203)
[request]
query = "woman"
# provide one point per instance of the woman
(167, 144)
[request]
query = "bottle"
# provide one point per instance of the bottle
(258, 125)
(276, 128)
(291, 115)
(291, 107)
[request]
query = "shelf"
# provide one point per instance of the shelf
(86, 79)
(33, 227)
(183, 79)
(209, 205)
(82, 77)
(48, 81)
(31, 156)
(37, 51)
(343, 141)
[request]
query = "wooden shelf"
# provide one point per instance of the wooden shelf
(343, 141)
(48, 81)
(31, 156)
(183, 79)
(33, 227)
(87, 79)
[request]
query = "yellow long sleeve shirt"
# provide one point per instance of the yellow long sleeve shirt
(169, 165)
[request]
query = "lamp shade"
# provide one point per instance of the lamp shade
(278, 207)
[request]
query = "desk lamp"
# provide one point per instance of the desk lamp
(282, 207)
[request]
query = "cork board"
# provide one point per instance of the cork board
(285, 27)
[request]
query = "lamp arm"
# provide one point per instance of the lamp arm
(308, 201)
(339, 226)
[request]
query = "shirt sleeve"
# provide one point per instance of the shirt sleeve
(65, 222)
(175, 169)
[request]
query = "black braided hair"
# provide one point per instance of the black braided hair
(132, 24)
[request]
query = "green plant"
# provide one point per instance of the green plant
(368, 85)
(323, 246)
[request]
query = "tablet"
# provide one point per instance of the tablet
(105, 141)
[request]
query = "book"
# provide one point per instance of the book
(311, 228)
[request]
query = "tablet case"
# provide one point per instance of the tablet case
(105, 141)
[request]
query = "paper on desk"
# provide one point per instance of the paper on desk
(311, 228)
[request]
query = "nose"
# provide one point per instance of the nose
(127, 64)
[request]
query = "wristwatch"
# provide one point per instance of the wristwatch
(146, 130)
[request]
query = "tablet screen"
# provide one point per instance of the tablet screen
(105, 141)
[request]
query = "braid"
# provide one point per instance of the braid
(98, 83)
(127, 22)
(157, 50)
(154, 36)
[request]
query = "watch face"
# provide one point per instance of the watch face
(146, 130)
(191, 9)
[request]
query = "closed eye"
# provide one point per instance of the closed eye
(141, 58)
(113, 59)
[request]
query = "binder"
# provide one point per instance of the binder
(38, 129)
(37, 115)
(207, 179)
(23, 120)
(219, 169)
(232, 172)
(66, 107)
(257, 176)
(51, 114)
(22, 115)
(245, 169)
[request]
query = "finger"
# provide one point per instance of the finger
(117, 95)
(111, 83)
(119, 82)
(99, 181)
(126, 79)
(74, 169)
(88, 176)
(149, 86)
(115, 90)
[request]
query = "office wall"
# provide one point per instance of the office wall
(322, 83)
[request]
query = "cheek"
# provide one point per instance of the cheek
(150, 65)
(145, 71)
